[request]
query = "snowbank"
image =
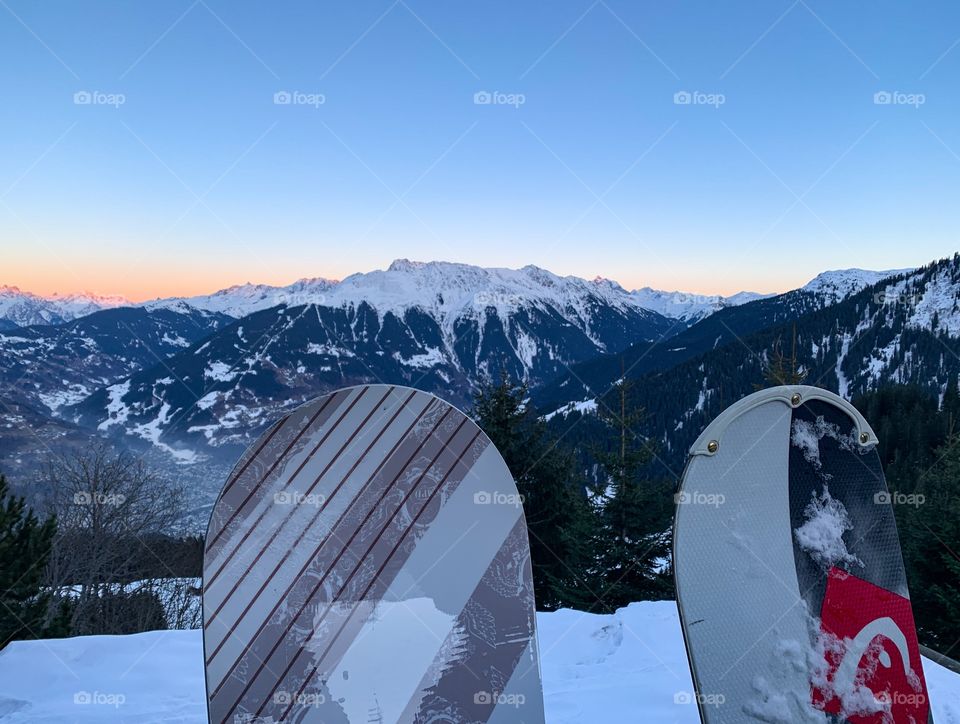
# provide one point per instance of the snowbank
(626, 667)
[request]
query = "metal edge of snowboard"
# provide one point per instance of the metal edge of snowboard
(695, 679)
(241, 460)
(784, 393)
(714, 432)
(206, 536)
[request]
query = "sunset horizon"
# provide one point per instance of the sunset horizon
(43, 287)
(176, 149)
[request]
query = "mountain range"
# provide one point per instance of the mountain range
(903, 329)
(20, 308)
(196, 379)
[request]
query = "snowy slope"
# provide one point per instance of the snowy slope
(444, 289)
(904, 329)
(440, 286)
(25, 308)
(688, 306)
(829, 287)
(97, 349)
(437, 326)
(834, 286)
(742, 316)
(626, 667)
(243, 299)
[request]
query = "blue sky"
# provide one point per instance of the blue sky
(182, 174)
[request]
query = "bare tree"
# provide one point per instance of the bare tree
(109, 506)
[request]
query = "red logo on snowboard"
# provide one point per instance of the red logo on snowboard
(872, 672)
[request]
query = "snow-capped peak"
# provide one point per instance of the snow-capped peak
(26, 308)
(838, 284)
(446, 288)
(404, 265)
(243, 299)
(688, 306)
(443, 288)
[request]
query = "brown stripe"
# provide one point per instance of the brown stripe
(276, 532)
(213, 577)
(293, 511)
(253, 490)
(402, 547)
(396, 549)
(274, 429)
(291, 428)
(346, 547)
(376, 577)
(299, 577)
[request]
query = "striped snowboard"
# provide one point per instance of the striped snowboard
(367, 561)
(790, 580)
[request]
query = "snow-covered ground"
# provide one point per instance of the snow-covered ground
(627, 667)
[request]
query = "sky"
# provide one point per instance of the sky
(177, 147)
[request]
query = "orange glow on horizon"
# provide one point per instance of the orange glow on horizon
(145, 282)
(186, 282)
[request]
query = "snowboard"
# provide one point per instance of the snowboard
(789, 575)
(367, 561)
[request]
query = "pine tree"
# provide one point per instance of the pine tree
(633, 510)
(932, 551)
(25, 546)
(559, 522)
(781, 369)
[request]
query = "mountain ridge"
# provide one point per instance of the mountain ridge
(23, 308)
